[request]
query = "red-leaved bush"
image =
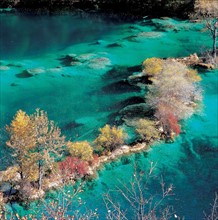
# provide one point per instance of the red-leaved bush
(73, 167)
(166, 116)
(173, 123)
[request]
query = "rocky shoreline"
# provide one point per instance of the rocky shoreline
(194, 61)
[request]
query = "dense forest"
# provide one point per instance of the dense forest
(137, 7)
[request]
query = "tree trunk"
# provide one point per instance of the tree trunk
(214, 40)
(40, 175)
(21, 172)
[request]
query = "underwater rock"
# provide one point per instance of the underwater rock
(135, 111)
(66, 60)
(98, 42)
(85, 57)
(86, 120)
(115, 119)
(54, 70)
(24, 74)
(99, 63)
(143, 36)
(4, 68)
(15, 65)
(14, 84)
(152, 34)
(35, 71)
(130, 101)
(139, 80)
(72, 125)
(164, 25)
(75, 63)
(131, 38)
(137, 68)
(117, 72)
(119, 87)
(113, 45)
(132, 27)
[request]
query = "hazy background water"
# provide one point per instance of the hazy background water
(81, 99)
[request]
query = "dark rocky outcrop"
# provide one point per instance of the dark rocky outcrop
(121, 72)
(135, 111)
(120, 87)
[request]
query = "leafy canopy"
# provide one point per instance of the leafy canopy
(82, 150)
(110, 137)
(173, 94)
(147, 129)
(36, 141)
(152, 66)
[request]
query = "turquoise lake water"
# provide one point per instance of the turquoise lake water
(84, 97)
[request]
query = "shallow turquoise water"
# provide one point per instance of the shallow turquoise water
(83, 98)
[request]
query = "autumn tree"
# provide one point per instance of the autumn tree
(208, 11)
(147, 129)
(73, 167)
(192, 75)
(37, 142)
(22, 140)
(110, 138)
(152, 66)
(48, 142)
(173, 94)
(82, 150)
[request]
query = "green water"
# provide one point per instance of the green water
(85, 97)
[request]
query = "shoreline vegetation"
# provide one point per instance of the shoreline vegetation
(123, 8)
(44, 160)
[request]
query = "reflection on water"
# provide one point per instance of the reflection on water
(24, 36)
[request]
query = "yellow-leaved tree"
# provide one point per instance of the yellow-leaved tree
(147, 129)
(82, 150)
(22, 139)
(193, 75)
(110, 138)
(152, 66)
(37, 142)
(48, 143)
